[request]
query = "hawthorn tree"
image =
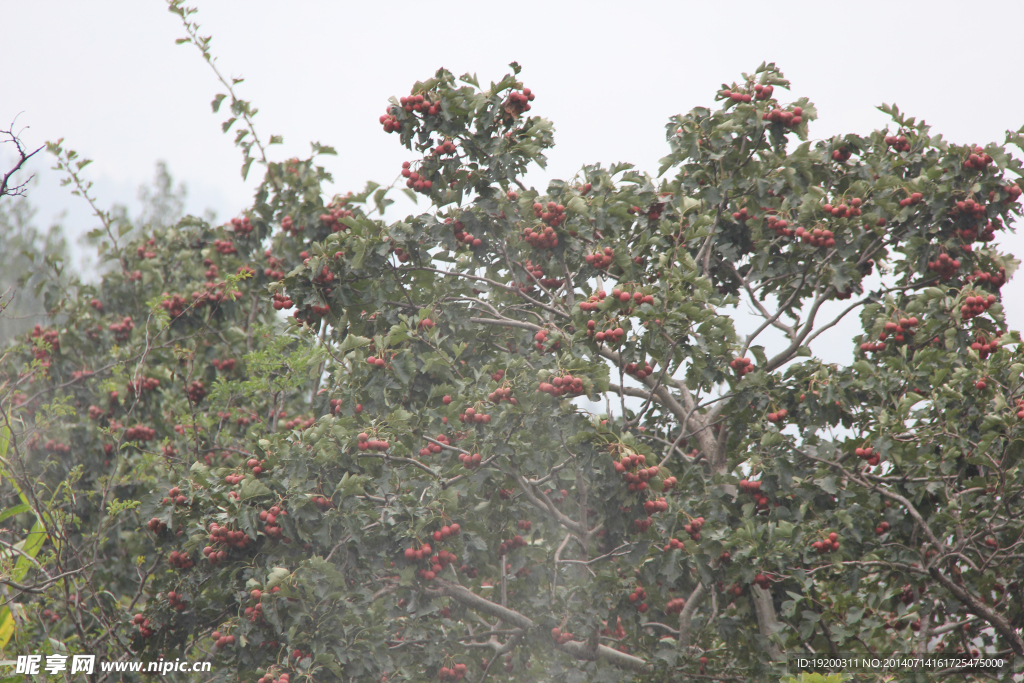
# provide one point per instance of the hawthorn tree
(406, 478)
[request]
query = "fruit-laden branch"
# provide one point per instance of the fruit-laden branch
(576, 649)
(972, 603)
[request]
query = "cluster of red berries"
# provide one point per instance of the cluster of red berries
(535, 270)
(274, 265)
(831, 544)
(817, 237)
(242, 226)
(898, 142)
(176, 600)
(446, 147)
(675, 606)
(524, 525)
(333, 217)
(637, 597)
(636, 297)
(763, 92)
(51, 616)
(763, 580)
(882, 528)
(1013, 193)
(143, 253)
(269, 519)
(180, 560)
(914, 198)
(735, 96)
(282, 301)
(563, 385)
(639, 370)
(139, 433)
(987, 234)
(629, 466)
(780, 226)
(967, 207)
(416, 181)
(976, 305)
(470, 461)
(364, 443)
(418, 103)
(433, 447)
(222, 640)
(741, 215)
(470, 415)
(790, 119)
(521, 100)
(977, 160)
(868, 453)
(415, 554)
(56, 447)
(694, 527)
(232, 479)
(122, 330)
(437, 564)
(552, 213)
(51, 337)
(561, 637)
(231, 538)
(994, 280)
(595, 299)
(601, 260)
(612, 336)
(290, 226)
(653, 506)
(226, 365)
(225, 247)
(456, 672)
(502, 394)
(322, 502)
(851, 210)
(741, 366)
(257, 467)
(945, 265)
(376, 361)
(516, 541)
(95, 412)
(541, 238)
(841, 155)
(142, 622)
(541, 338)
(389, 121)
(144, 384)
(196, 391)
(754, 489)
(446, 531)
(270, 679)
(465, 237)
(174, 495)
(673, 544)
(98, 305)
(984, 347)
(298, 423)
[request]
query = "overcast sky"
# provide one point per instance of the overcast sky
(108, 78)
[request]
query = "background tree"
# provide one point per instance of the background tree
(400, 482)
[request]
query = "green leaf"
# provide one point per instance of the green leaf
(253, 488)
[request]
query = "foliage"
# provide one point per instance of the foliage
(434, 372)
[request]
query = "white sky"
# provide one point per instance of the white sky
(109, 79)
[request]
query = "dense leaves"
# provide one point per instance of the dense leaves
(519, 435)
